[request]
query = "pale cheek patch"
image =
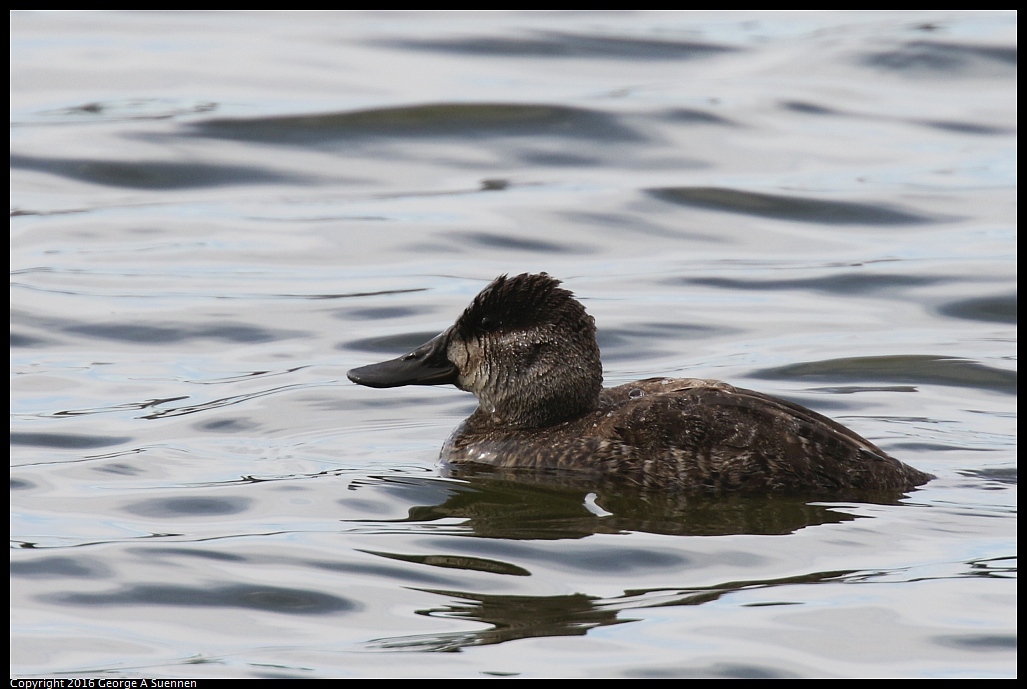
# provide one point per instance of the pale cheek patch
(468, 361)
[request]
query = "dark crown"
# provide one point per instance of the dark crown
(522, 301)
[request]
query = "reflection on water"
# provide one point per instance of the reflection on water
(520, 617)
(530, 506)
(215, 216)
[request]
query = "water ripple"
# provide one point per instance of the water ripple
(787, 207)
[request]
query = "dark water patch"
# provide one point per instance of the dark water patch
(957, 127)
(491, 240)
(119, 469)
(287, 601)
(162, 508)
(144, 333)
(770, 604)
(558, 159)
(935, 58)
(552, 44)
(622, 560)
(376, 571)
(716, 670)
(427, 248)
(650, 340)
(845, 283)
(378, 313)
(914, 369)
(628, 347)
(617, 224)
(981, 643)
(350, 295)
(792, 208)
(459, 120)
(822, 405)
(225, 426)
(20, 340)
(808, 108)
(367, 506)
(126, 110)
(60, 568)
(968, 128)
(19, 212)
(507, 549)
(187, 552)
(22, 484)
(997, 309)
(679, 330)
(851, 389)
(495, 184)
(389, 344)
(66, 441)
(931, 447)
(1006, 475)
(458, 408)
(155, 174)
(474, 564)
(693, 116)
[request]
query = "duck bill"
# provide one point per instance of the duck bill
(426, 365)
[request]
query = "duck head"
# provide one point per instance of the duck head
(525, 347)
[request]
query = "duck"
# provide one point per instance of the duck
(527, 349)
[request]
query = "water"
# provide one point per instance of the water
(215, 215)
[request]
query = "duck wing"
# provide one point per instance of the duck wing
(700, 434)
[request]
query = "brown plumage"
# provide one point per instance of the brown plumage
(527, 350)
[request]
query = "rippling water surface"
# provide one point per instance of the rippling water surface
(214, 216)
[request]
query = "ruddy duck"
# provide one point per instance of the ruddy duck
(527, 350)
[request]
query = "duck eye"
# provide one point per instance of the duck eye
(489, 323)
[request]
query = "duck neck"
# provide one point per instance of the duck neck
(566, 392)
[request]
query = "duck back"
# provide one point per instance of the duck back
(695, 435)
